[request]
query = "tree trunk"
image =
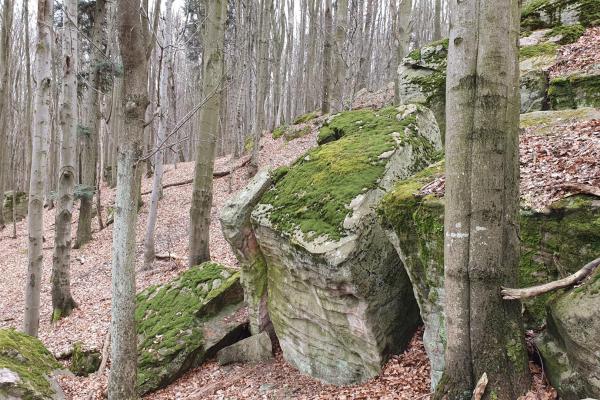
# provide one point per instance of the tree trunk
(209, 125)
(38, 165)
(404, 17)
(122, 379)
(149, 248)
(327, 72)
(481, 247)
(341, 27)
(62, 301)
(89, 155)
(5, 53)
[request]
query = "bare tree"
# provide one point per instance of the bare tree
(133, 44)
(209, 117)
(5, 36)
(485, 334)
(327, 71)
(43, 73)
(62, 301)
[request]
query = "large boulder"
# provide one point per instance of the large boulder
(575, 90)
(338, 296)
(254, 349)
(570, 348)
(554, 242)
(537, 14)
(181, 323)
(237, 230)
(26, 368)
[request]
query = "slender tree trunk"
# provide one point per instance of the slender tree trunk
(437, 21)
(404, 18)
(122, 379)
(327, 71)
(29, 93)
(42, 126)
(341, 27)
(89, 155)
(5, 52)
(149, 248)
(209, 126)
(62, 301)
(485, 333)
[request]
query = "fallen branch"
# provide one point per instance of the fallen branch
(514, 294)
(169, 256)
(480, 388)
(581, 188)
(216, 174)
(104, 356)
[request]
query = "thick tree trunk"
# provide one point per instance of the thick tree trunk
(42, 126)
(62, 301)
(484, 333)
(122, 378)
(89, 155)
(149, 248)
(209, 118)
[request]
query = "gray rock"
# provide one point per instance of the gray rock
(341, 305)
(237, 230)
(254, 349)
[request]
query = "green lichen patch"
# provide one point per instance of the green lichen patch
(537, 50)
(169, 319)
(315, 194)
(568, 33)
(27, 357)
(301, 119)
(574, 91)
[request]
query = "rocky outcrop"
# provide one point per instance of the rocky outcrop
(254, 349)
(553, 243)
(26, 368)
(183, 322)
(538, 14)
(338, 296)
(574, 91)
(237, 230)
(570, 347)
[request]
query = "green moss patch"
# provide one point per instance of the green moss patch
(305, 118)
(84, 362)
(315, 194)
(27, 357)
(169, 320)
(574, 91)
(537, 50)
(279, 131)
(569, 33)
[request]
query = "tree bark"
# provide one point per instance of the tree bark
(341, 27)
(5, 38)
(38, 165)
(149, 248)
(327, 72)
(209, 124)
(122, 379)
(404, 17)
(62, 300)
(89, 155)
(484, 334)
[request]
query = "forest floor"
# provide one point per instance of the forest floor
(405, 376)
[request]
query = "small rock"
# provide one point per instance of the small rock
(256, 348)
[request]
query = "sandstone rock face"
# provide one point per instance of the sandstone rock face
(566, 236)
(570, 347)
(338, 296)
(237, 229)
(254, 349)
(186, 320)
(574, 91)
(26, 368)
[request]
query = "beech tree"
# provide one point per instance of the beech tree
(132, 43)
(485, 334)
(209, 120)
(5, 53)
(41, 134)
(62, 301)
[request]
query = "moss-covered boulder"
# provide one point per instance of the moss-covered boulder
(574, 91)
(26, 368)
(338, 297)
(553, 243)
(570, 347)
(237, 230)
(422, 79)
(20, 205)
(183, 322)
(84, 361)
(537, 14)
